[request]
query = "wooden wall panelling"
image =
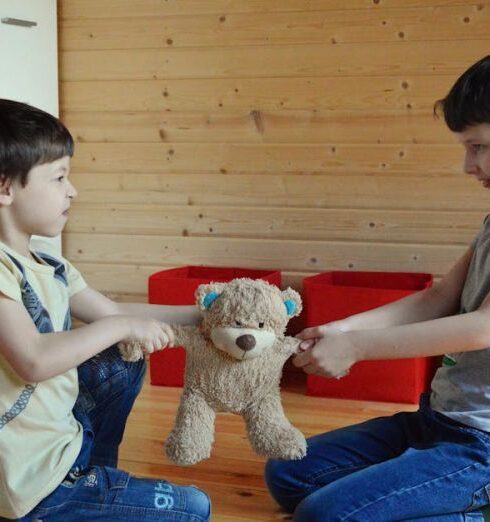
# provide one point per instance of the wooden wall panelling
(129, 9)
(397, 226)
(427, 23)
(358, 60)
(444, 192)
(344, 93)
(275, 134)
(257, 126)
(291, 255)
(298, 158)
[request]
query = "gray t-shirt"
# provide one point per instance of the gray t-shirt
(461, 386)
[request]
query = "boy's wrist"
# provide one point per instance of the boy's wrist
(357, 339)
(342, 324)
(122, 325)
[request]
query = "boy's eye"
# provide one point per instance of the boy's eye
(477, 147)
(261, 325)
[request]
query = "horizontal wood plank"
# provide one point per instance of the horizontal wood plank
(287, 126)
(130, 9)
(121, 279)
(402, 92)
(450, 192)
(393, 226)
(350, 159)
(369, 59)
(429, 23)
(300, 256)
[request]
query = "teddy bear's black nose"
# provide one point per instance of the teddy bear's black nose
(245, 342)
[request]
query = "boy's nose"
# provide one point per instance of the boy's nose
(72, 191)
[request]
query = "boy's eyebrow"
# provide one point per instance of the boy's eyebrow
(472, 140)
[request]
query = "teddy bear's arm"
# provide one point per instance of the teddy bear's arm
(186, 336)
(291, 345)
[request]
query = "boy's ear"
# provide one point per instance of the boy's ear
(5, 190)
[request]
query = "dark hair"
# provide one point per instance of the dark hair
(29, 137)
(468, 101)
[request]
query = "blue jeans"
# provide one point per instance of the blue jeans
(94, 489)
(410, 466)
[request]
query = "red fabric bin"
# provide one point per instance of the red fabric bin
(334, 295)
(177, 287)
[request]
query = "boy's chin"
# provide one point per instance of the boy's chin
(52, 233)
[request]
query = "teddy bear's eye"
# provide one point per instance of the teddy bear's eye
(261, 325)
(238, 323)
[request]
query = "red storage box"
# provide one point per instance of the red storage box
(177, 287)
(335, 295)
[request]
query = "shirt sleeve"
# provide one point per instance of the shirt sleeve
(76, 282)
(9, 279)
(486, 223)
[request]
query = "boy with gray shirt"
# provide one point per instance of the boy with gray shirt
(433, 464)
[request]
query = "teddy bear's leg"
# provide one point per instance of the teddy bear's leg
(192, 436)
(270, 433)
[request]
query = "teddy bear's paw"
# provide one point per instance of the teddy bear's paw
(130, 351)
(185, 454)
(292, 445)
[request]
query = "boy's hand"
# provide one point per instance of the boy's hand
(326, 351)
(150, 334)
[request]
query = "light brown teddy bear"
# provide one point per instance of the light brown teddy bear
(234, 364)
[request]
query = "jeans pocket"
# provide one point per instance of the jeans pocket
(116, 478)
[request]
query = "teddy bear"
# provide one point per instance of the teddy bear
(234, 364)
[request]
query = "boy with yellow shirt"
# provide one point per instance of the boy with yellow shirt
(64, 395)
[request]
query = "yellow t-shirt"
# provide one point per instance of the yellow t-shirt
(39, 437)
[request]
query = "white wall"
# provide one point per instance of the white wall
(29, 58)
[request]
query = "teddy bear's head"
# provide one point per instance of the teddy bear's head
(244, 317)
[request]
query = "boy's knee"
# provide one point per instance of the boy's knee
(286, 490)
(309, 511)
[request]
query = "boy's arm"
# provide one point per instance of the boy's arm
(389, 331)
(89, 305)
(442, 299)
(336, 351)
(36, 357)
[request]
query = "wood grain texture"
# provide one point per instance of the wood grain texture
(422, 23)
(288, 134)
(151, 8)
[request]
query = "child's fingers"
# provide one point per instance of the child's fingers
(302, 359)
(169, 334)
(306, 345)
(310, 333)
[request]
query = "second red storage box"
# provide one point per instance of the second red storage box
(335, 295)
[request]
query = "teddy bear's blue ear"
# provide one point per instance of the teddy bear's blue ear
(292, 302)
(209, 299)
(290, 307)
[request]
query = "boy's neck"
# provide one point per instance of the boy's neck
(21, 244)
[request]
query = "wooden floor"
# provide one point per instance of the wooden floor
(233, 475)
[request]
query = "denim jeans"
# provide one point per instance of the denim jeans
(94, 489)
(410, 466)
